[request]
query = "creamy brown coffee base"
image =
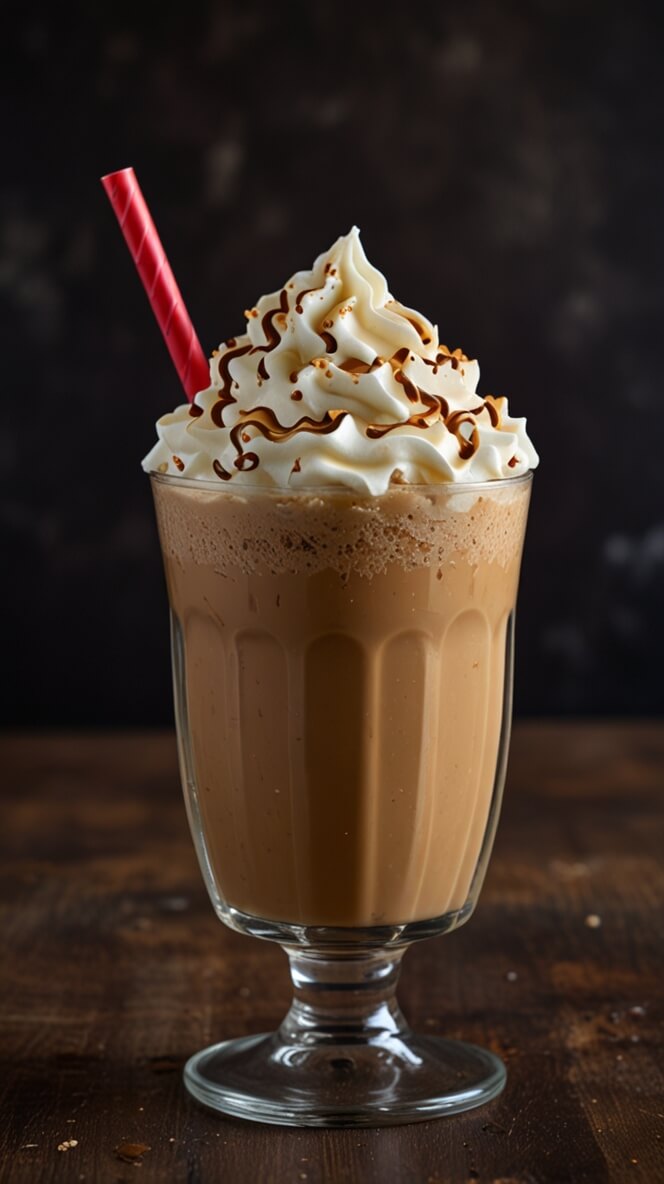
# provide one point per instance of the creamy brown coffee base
(344, 673)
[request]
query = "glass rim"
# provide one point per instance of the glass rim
(244, 489)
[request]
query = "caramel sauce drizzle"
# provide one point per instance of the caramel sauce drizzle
(453, 422)
(354, 366)
(421, 332)
(357, 366)
(411, 391)
(264, 421)
(494, 407)
(437, 407)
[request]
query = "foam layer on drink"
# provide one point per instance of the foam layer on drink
(337, 531)
(341, 691)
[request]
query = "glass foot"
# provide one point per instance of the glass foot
(396, 1081)
(344, 1055)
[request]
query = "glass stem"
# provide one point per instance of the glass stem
(343, 998)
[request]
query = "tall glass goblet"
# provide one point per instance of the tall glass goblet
(343, 684)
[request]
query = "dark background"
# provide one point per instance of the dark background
(503, 161)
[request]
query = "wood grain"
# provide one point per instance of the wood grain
(114, 970)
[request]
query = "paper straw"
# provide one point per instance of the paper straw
(144, 244)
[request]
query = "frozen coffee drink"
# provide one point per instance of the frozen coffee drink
(341, 518)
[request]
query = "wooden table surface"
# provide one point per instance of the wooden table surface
(114, 970)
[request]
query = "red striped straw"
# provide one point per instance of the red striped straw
(144, 244)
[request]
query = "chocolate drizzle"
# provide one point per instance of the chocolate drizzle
(427, 410)
(267, 324)
(225, 395)
(221, 471)
(244, 461)
(271, 332)
(264, 421)
(437, 408)
(330, 342)
(298, 298)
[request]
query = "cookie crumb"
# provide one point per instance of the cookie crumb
(131, 1152)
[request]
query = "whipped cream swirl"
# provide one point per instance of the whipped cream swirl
(336, 383)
